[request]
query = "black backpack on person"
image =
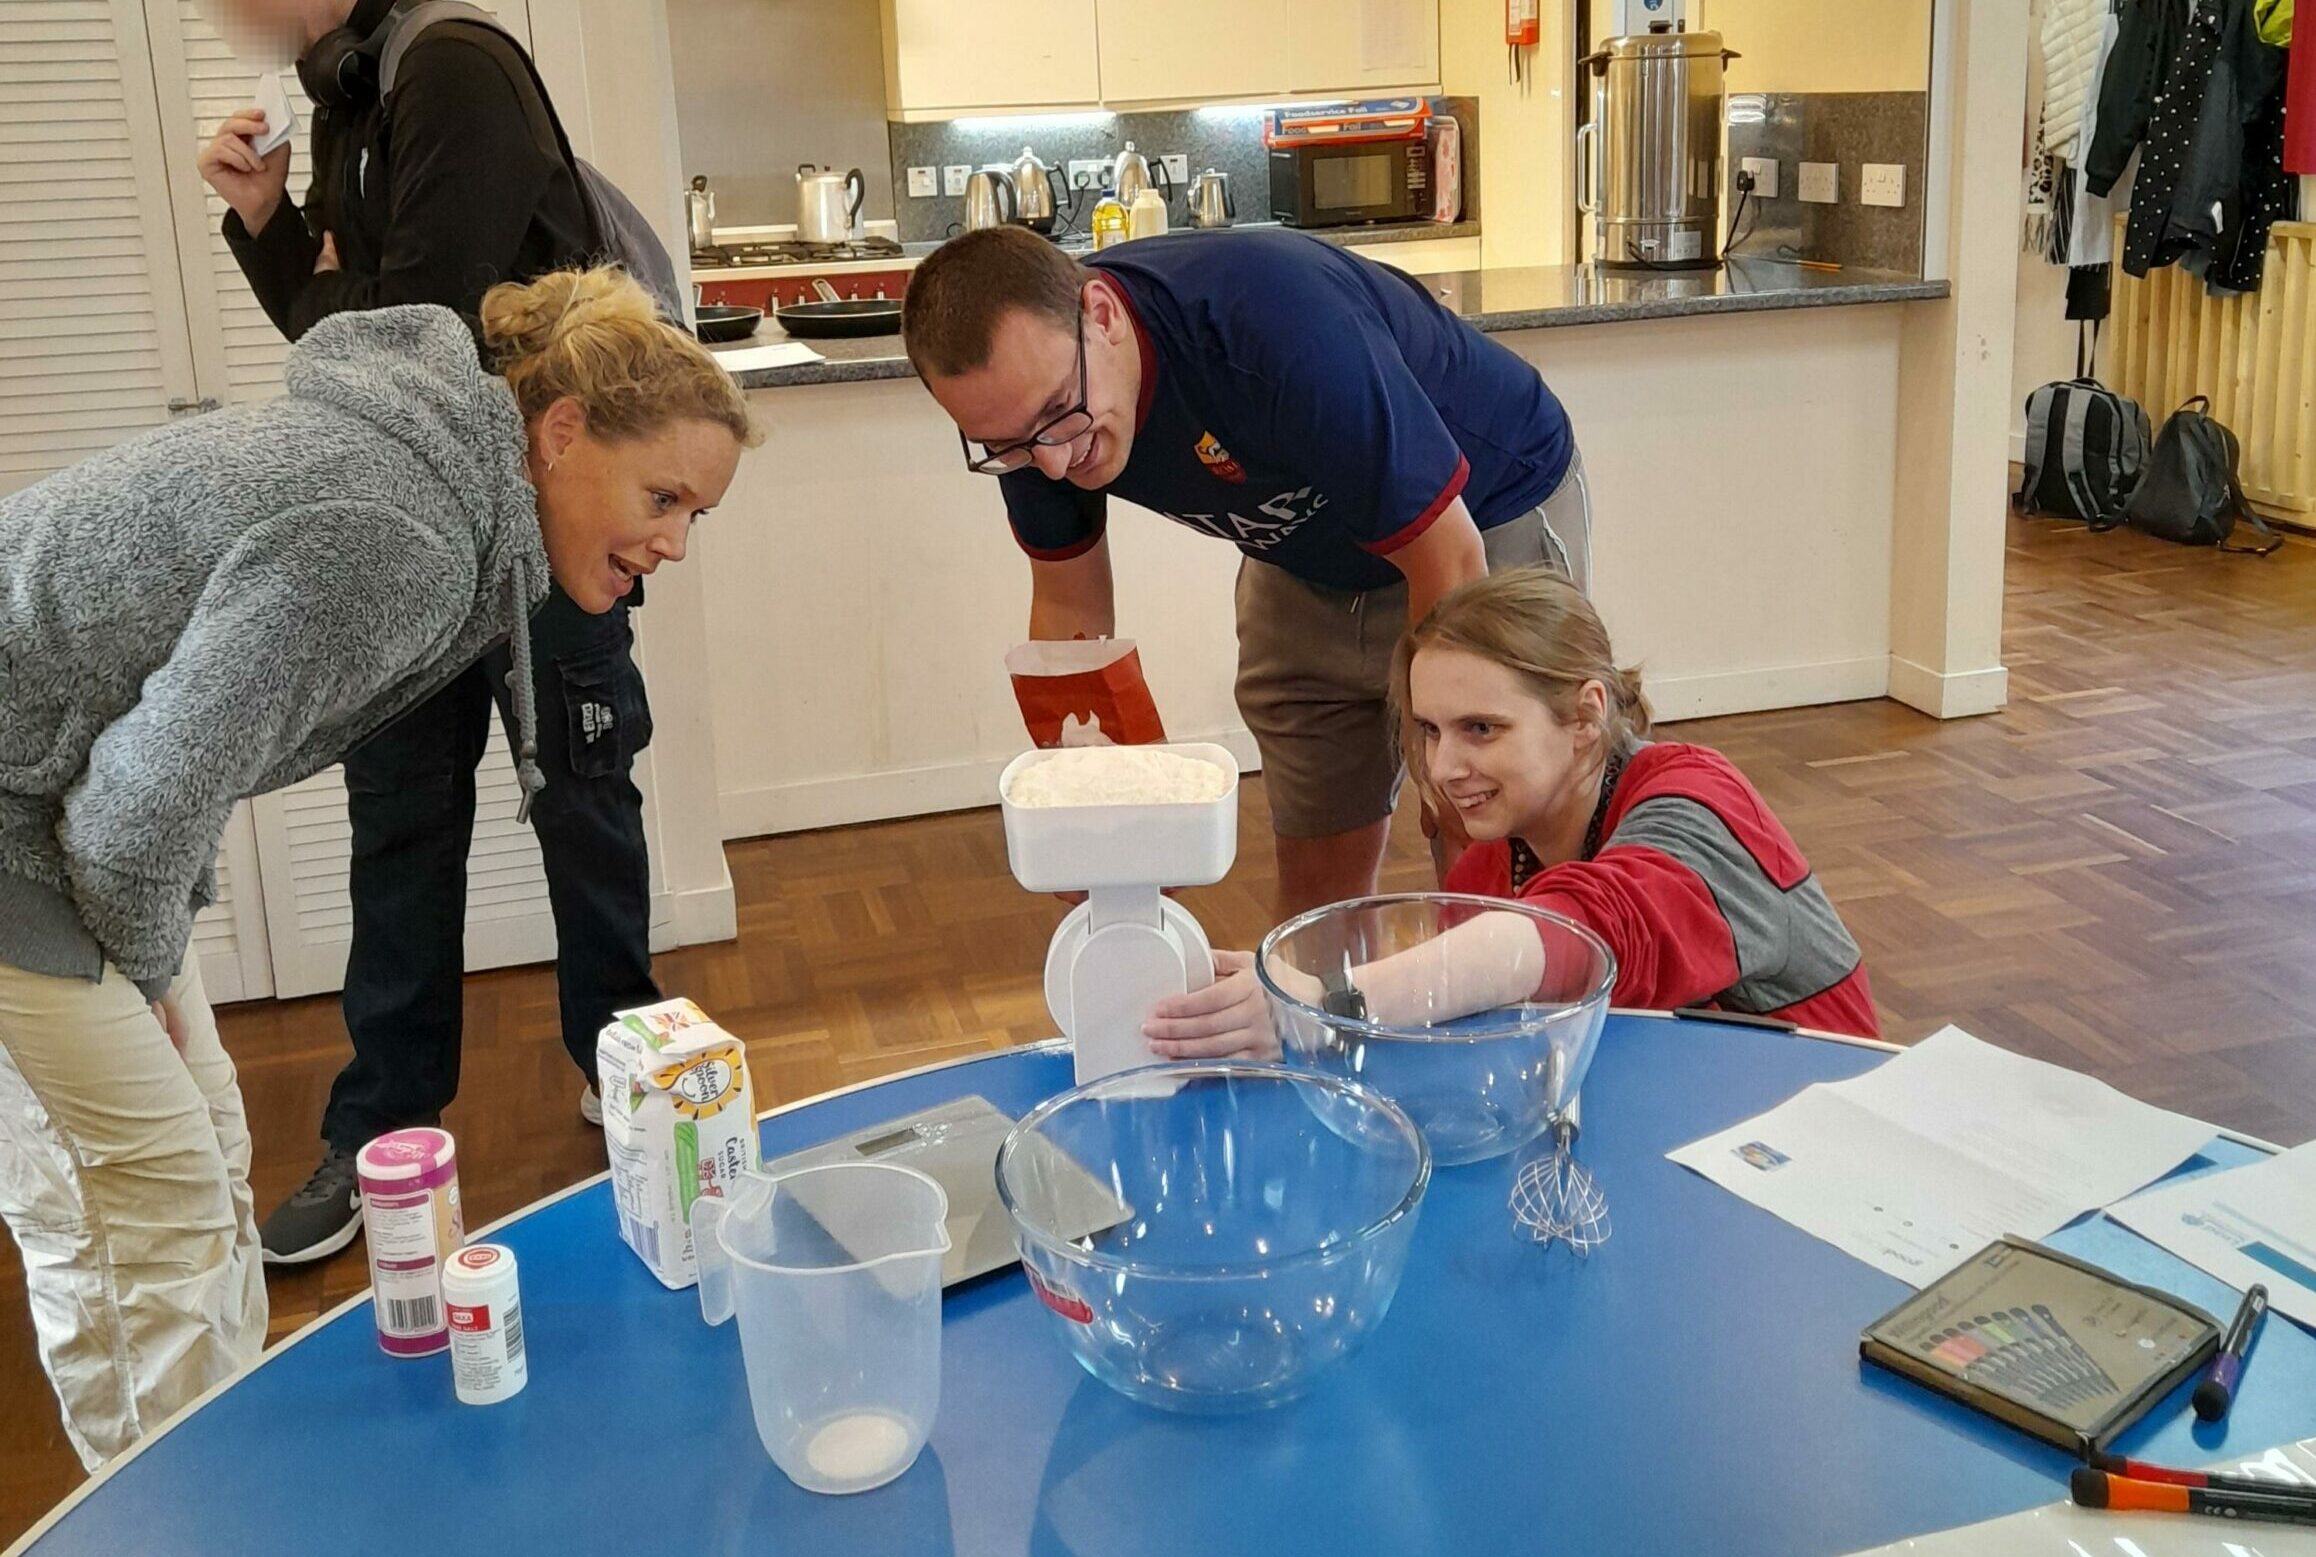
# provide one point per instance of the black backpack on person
(2191, 493)
(2086, 447)
(622, 235)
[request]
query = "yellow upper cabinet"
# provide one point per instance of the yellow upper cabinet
(1368, 47)
(945, 57)
(1189, 50)
(949, 56)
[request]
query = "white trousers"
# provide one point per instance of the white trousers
(124, 1176)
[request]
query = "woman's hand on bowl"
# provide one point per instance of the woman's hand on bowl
(1228, 1019)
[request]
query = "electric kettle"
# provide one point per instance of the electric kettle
(990, 199)
(1033, 192)
(1210, 202)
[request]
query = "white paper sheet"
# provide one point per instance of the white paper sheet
(1926, 1159)
(2251, 1224)
(787, 354)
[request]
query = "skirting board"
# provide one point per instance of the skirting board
(1778, 686)
(696, 917)
(1951, 695)
(876, 797)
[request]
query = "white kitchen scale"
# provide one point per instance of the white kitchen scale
(1128, 944)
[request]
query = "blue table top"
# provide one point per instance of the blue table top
(1695, 1384)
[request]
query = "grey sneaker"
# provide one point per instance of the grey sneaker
(319, 1219)
(591, 1107)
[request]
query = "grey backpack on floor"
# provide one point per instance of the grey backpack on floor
(2085, 449)
(622, 235)
(2191, 493)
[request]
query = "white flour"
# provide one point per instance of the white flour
(857, 1446)
(1118, 776)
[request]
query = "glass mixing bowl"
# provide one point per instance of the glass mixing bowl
(1481, 1066)
(1260, 1223)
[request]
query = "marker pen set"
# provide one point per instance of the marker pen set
(2024, 1352)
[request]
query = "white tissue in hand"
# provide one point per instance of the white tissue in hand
(281, 119)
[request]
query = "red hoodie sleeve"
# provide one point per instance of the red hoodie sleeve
(1672, 946)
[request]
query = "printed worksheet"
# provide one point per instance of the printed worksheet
(1923, 1161)
(2251, 1224)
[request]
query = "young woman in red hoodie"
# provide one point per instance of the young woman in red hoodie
(1520, 726)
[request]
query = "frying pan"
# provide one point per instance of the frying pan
(720, 322)
(840, 317)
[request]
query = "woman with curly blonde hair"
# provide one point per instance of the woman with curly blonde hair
(222, 607)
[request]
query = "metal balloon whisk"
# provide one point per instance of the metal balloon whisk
(1555, 1196)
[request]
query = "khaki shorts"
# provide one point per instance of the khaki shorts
(1314, 670)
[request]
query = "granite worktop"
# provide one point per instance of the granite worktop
(1525, 298)
(1358, 237)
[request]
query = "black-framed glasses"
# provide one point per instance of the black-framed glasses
(1001, 459)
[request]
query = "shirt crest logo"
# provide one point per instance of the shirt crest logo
(1217, 459)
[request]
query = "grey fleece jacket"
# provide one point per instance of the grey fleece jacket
(228, 604)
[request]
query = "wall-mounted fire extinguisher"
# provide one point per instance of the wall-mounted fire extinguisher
(1521, 30)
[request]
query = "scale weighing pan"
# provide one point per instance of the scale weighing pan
(955, 1145)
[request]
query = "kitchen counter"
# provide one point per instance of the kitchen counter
(1341, 237)
(1746, 487)
(1530, 298)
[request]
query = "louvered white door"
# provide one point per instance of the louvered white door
(92, 334)
(301, 834)
(304, 844)
(229, 935)
(232, 337)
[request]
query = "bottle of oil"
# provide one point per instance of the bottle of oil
(1108, 222)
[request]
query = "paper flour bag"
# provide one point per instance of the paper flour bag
(1084, 692)
(679, 1123)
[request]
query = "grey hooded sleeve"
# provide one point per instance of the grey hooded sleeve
(313, 616)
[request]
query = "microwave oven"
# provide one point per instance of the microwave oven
(1342, 183)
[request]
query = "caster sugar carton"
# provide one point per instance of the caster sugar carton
(679, 1123)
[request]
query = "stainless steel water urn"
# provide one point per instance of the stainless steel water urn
(1649, 163)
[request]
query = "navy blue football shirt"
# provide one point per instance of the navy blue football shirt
(1315, 409)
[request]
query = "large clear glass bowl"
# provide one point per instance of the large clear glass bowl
(1262, 1217)
(1480, 1075)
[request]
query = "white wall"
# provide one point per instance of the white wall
(762, 85)
(861, 591)
(1527, 206)
(607, 64)
(1821, 45)
(1953, 419)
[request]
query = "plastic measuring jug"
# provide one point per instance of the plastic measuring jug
(835, 1272)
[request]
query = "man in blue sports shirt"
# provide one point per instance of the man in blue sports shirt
(1367, 450)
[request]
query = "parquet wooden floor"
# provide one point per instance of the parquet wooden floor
(2117, 873)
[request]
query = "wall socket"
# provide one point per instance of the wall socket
(1764, 171)
(1882, 183)
(1821, 182)
(1177, 169)
(1094, 171)
(953, 177)
(924, 183)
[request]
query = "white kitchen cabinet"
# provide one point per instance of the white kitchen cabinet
(943, 57)
(1370, 48)
(1187, 50)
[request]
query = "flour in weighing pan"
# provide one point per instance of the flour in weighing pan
(1118, 776)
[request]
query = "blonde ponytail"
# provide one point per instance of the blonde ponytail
(1539, 626)
(594, 336)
